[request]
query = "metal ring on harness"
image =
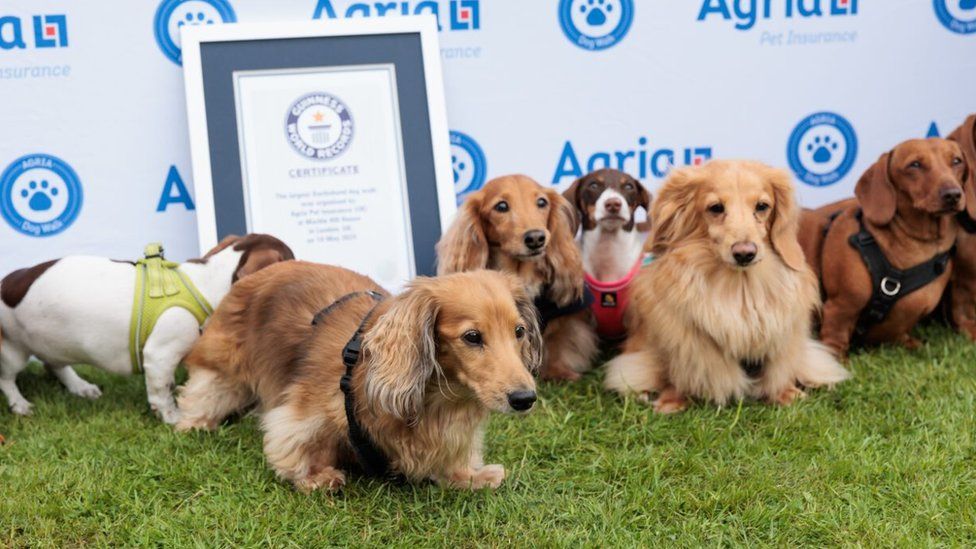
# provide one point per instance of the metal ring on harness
(884, 286)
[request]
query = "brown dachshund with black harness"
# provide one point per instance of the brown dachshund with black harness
(963, 286)
(885, 258)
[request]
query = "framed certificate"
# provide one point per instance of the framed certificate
(329, 135)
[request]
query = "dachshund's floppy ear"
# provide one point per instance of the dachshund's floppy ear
(673, 215)
(969, 185)
(562, 254)
(532, 343)
(401, 352)
(875, 192)
(785, 221)
(572, 195)
(644, 199)
(464, 246)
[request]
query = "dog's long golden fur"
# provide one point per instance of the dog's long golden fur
(486, 236)
(729, 285)
(422, 390)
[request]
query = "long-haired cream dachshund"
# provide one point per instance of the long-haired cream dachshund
(520, 227)
(724, 310)
(424, 369)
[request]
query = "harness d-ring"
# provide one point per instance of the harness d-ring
(890, 292)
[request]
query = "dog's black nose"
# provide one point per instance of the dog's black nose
(535, 239)
(950, 195)
(744, 253)
(613, 205)
(521, 400)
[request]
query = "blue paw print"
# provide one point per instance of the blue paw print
(197, 18)
(457, 166)
(823, 148)
(40, 195)
(967, 4)
(598, 10)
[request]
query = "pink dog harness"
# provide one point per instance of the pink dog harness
(610, 300)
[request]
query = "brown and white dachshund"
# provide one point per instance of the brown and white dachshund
(515, 225)
(963, 285)
(435, 360)
(908, 201)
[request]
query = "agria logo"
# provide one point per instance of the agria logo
(43, 31)
(462, 14)
(172, 15)
(595, 24)
(40, 195)
(747, 12)
(641, 162)
(822, 148)
(957, 15)
(468, 164)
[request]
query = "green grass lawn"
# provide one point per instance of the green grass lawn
(885, 459)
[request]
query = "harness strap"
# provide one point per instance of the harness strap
(889, 284)
(373, 461)
(548, 310)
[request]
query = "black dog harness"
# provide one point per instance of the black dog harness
(548, 310)
(889, 284)
(373, 461)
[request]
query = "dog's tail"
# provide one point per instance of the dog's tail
(633, 372)
(821, 367)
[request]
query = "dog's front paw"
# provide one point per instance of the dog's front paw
(194, 424)
(329, 479)
(170, 416)
(489, 476)
(22, 408)
(86, 390)
(556, 371)
(788, 395)
(670, 401)
(911, 343)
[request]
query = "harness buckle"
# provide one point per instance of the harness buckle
(345, 383)
(890, 287)
(350, 353)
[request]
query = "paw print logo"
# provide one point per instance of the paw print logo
(595, 24)
(468, 165)
(173, 15)
(39, 195)
(822, 149)
(199, 18)
(958, 16)
(457, 166)
(596, 11)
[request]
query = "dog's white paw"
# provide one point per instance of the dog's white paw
(22, 408)
(86, 390)
(170, 416)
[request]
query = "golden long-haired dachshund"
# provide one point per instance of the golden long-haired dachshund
(724, 310)
(435, 360)
(515, 225)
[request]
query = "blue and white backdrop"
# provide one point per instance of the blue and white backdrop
(94, 154)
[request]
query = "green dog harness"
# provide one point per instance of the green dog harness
(160, 285)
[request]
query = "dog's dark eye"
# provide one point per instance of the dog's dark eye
(501, 207)
(717, 208)
(542, 203)
(472, 337)
(628, 187)
(519, 331)
(762, 206)
(915, 164)
(594, 185)
(956, 161)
